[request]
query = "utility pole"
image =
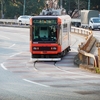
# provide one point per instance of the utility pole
(60, 3)
(69, 6)
(24, 7)
(78, 5)
(1, 9)
(88, 4)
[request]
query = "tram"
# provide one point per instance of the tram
(50, 38)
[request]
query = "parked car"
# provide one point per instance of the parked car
(24, 19)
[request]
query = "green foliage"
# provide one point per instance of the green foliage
(97, 70)
(83, 4)
(95, 4)
(15, 7)
(33, 7)
(12, 9)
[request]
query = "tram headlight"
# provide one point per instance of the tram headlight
(35, 48)
(53, 48)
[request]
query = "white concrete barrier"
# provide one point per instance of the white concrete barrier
(8, 21)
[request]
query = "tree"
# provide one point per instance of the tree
(34, 8)
(10, 8)
(95, 4)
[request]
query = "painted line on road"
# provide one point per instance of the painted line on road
(11, 46)
(2, 65)
(80, 74)
(36, 83)
(5, 37)
(15, 54)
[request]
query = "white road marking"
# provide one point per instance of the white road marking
(2, 65)
(36, 83)
(15, 54)
(5, 37)
(79, 74)
(11, 46)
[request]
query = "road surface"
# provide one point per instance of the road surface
(21, 79)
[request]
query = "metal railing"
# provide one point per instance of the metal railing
(85, 47)
(11, 21)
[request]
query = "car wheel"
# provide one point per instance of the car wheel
(90, 28)
(20, 22)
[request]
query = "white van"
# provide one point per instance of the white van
(94, 23)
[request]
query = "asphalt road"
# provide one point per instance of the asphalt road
(21, 79)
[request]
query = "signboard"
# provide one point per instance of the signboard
(45, 21)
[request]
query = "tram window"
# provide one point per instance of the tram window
(43, 32)
(43, 28)
(35, 33)
(64, 27)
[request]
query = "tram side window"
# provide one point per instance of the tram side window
(64, 27)
(53, 33)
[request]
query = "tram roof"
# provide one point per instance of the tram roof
(50, 16)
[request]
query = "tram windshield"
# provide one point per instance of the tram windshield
(45, 33)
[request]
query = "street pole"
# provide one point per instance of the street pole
(24, 7)
(88, 4)
(78, 5)
(1, 8)
(61, 4)
(69, 5)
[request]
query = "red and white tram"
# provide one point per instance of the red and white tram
(50, 36)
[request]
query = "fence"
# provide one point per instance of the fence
(84, 49)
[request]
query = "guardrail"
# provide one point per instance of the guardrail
(11, 21)
(84, 49)
(98, 46)
(80, 31)
(76, 20)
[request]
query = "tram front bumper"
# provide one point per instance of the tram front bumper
(45, 59)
